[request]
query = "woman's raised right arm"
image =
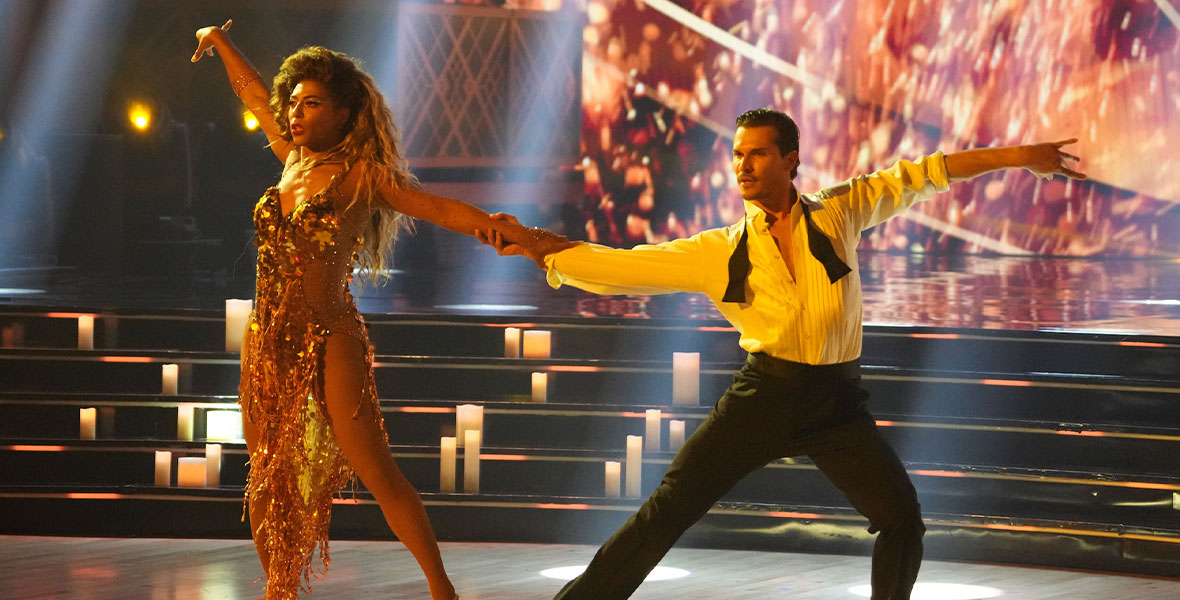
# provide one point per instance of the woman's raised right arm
(247, 83)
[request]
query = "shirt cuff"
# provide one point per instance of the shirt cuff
(552, 276)
(936, 171)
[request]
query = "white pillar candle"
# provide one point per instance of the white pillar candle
(471, 461)
(540, 387)
(446, 466)
(212, 465)
(512, 342)
(537, 344)
(651, 430)
(184, 422)
(163, 468)
(223, 425)
(612, 478)
(169, 374)
(686, 378)
(467, 416)
(634, 465)
(190, 471)
(86, 423)
(675, 435)
(237, 313)
(86, 332)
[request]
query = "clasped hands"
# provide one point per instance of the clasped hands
(535, 244)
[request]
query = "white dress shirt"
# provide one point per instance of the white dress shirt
(806, 318)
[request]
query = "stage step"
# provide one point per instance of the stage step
(913, 390)
(153, 512)
(1103, 496)
(1115, 355)
(1068, 445)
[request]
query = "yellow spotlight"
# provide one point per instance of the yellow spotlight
(249, 121)
(140, 115)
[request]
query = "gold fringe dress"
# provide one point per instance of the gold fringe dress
(305, 262)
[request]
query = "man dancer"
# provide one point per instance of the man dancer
(785, 277)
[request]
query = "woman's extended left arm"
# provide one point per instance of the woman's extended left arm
(462, 217)
(448, 213)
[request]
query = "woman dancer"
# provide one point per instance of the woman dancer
(309, 403)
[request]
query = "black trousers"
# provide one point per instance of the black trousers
(773, 409)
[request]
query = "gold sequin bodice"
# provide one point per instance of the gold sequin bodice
(312, 248)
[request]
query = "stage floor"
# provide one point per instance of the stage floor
(1134, 297)
(186, 569)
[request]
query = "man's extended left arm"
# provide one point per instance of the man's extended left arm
(1043, 160)
(871, 199)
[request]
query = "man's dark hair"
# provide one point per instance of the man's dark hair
(788, 133)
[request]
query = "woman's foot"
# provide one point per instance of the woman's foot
(444, 592)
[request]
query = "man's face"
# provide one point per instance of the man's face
(763, 171)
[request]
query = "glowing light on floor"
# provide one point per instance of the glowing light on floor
(657, 574)
(938, 591)
(20, 292)
(488, 307)
(1163, 302)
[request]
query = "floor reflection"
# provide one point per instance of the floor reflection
(1131, 296)
(1140, 297)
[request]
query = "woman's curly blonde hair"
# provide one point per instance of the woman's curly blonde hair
(370, 144)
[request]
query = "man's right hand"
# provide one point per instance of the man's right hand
(538, 244)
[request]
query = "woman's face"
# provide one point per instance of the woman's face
(315, 121)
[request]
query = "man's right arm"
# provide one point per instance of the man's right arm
(674, 266)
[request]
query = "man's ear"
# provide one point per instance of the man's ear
(792, 160)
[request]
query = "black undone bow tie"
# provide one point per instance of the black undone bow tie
(821, 249)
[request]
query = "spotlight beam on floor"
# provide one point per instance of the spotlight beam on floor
(938, 591)
(659, 573)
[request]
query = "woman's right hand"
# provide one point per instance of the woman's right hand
(206, 36)
(537, 244)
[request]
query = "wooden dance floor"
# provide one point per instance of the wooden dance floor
(42, 568)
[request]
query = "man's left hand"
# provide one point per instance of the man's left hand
(1048, 159)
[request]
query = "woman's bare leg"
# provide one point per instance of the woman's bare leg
(250, 432)
(363, 444)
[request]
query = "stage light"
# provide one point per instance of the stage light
(249, 121)
(938, 591)
(657, 574)
(140, 116)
